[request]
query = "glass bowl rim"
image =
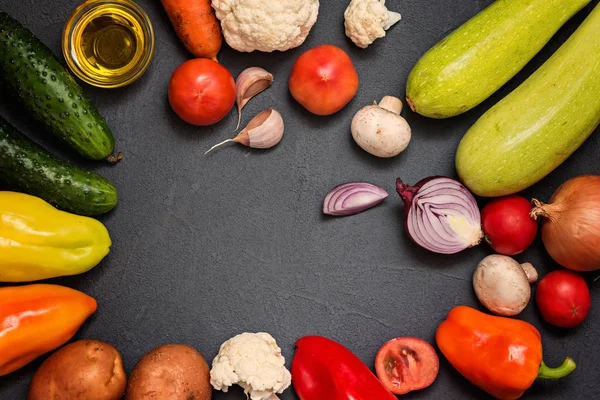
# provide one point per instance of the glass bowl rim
(67, 42)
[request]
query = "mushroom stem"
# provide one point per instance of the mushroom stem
(392, 104)
(273, 397)
(530, 271)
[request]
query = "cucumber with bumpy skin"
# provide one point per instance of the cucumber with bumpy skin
(479, 57)
(31, 72)
(27, 168)
(540, 124)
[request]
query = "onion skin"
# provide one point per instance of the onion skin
(352, 198)
(408, 194)
(443, 227)
(571, 226)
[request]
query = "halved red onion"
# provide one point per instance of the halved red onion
(352, 198)
(441, 215)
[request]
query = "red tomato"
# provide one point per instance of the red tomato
(324, 80)
(405, 364)
(201, 91)
(563, 298)
(507, 225)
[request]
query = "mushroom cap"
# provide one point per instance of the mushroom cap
(501, 285)
(380, 132)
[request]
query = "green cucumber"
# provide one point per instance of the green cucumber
(540, 124)
(27, 168)
(30, 71)
(479, 57)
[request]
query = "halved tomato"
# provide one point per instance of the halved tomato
(407, 363)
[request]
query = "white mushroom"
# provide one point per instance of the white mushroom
(380, 130)
(503, 285)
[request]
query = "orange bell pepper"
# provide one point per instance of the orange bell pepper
(35, 319)
(502, 356)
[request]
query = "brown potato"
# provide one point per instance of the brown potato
(86, 370)
(173, 372)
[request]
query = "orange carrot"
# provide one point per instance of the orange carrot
(196, 25)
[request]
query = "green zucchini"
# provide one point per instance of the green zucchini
(31, 72)
(27, 168)
(540, 124)
(479, 57)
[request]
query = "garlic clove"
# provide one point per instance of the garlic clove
(264, 131)
(249, 83)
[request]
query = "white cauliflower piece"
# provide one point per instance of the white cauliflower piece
(266, 25)
(252, 361)
(367, 21)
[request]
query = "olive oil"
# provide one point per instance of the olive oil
(110, 43)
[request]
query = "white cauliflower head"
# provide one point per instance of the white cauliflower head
(266, 25)
(367, 21)
(252, 361)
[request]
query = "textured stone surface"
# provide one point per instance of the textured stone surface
(206, 247)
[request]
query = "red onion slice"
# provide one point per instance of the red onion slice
(352, 198)
(441, 215)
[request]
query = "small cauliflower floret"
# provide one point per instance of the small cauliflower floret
(254, 362)
(367, 20)
(266, 26)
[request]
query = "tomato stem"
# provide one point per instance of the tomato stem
(567, 366)
(487, 239)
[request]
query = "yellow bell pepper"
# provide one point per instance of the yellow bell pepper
(37, 241)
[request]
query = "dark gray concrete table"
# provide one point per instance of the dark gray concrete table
(206, 247)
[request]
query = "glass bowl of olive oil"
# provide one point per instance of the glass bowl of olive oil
(108, 43)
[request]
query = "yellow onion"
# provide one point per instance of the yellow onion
(571, 227)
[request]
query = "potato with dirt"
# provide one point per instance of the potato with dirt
(85, 370)
(172, 371)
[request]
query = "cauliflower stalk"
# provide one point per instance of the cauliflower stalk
(367, 21)
(254, 362)
(266, 26)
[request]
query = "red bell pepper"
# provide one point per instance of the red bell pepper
(323, 369)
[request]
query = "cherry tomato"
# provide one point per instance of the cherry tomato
(201, 91)
(324, 80)
(507, 225)
(405, 364)
(563, 298)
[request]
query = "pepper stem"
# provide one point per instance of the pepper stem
(567, 366)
